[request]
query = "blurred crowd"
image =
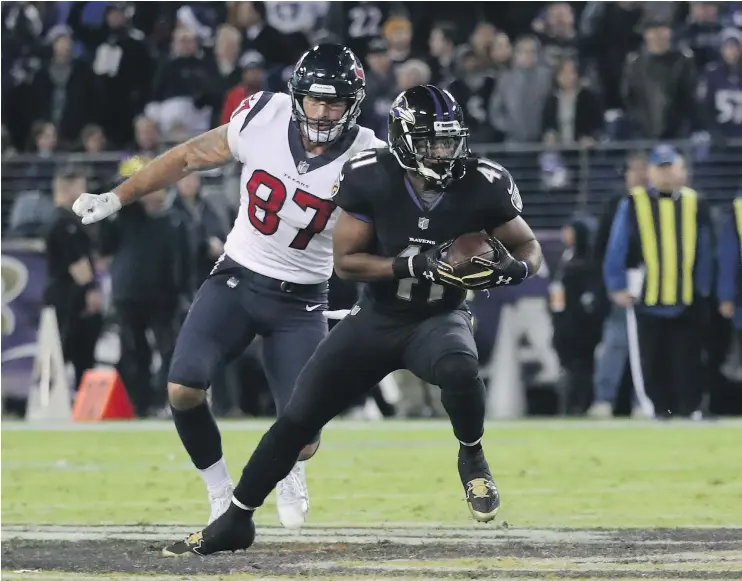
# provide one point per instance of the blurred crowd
(120, 81)
(87, 76)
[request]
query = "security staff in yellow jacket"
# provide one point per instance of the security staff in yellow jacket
(664, 232)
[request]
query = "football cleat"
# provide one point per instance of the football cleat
(220, 500)
(482, 495)
(292, 497)
(232, 531)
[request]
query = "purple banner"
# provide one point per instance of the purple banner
(24, 278)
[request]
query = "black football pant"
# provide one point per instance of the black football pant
(670, 349)
(360, 351)
(135, 318)
(79, 333)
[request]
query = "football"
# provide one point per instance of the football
(465, 247)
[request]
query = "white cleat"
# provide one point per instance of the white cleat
(220, 499)
(601, 410)
(292, 496)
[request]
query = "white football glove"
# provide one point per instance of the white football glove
(92, 208)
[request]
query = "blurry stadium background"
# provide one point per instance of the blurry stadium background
(557, 92)
(569, 96)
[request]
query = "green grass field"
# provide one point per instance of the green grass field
(550, 475)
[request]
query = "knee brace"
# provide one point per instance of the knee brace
(456, 371)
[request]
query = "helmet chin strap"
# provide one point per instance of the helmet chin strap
(320, 137)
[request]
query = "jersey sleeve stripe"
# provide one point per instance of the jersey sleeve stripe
(361, 217)
(262, 102)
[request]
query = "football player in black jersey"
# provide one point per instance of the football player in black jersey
(400, 209)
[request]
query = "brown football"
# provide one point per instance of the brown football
(459, 254)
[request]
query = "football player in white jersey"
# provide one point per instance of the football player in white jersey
(272, 279)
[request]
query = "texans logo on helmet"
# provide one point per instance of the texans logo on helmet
(360, 72)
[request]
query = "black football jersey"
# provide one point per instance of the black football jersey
(374, 188)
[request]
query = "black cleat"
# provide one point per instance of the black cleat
(482, 495)
(233, 531)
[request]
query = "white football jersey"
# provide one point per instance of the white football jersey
(284, 226)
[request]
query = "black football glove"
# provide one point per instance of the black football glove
(504, 270)
(424, 265)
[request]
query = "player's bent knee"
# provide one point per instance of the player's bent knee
(310, 449)
(182, 397)
(295, 431)
(456, 370)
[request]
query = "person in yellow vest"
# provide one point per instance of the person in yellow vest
(659, 264)
(729, 254)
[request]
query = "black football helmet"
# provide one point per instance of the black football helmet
(427, 134)
(328, 72)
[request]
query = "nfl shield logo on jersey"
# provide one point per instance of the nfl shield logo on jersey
(302, 167)
(422, 223)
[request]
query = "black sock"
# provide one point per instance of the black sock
(465, 407)
(200, 435)
(271, 461)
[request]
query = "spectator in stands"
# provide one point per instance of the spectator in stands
(481, 41)
(357, 23)
(249, 18)
(398, 34)
(93, 140)
(412, 73)
(122, 67)
(43, 143)
(146, 137)
(252, 66)
(608, 34)
(659, 87)
(99, 171)
(150, 281)
(572, 113)
(556, 32)
(223, 68)
(71, 287)
(381, 88)
(182, 89)
(63, 89)
(517, 106)
(442, 46)
(572, 300)
(673, 287)
(702, 33)
(473, 88)
(720, 89)
(610, 367)
(501, 54)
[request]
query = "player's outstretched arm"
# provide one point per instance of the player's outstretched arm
(203, 152)
(520, 240)
(206, 151)
(350, 241)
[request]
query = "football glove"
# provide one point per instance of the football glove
(503, 271)
(92, 208)
(424, 265)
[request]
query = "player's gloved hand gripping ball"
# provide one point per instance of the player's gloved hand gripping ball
(477, 261)
(424, 265)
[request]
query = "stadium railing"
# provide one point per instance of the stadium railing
(555, 182)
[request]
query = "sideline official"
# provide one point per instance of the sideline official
(663, 232)
(71, 287)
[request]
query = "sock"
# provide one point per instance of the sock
(465, 408)
(271, 461)
(471, 448)
(200, 435)
(216, 476)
